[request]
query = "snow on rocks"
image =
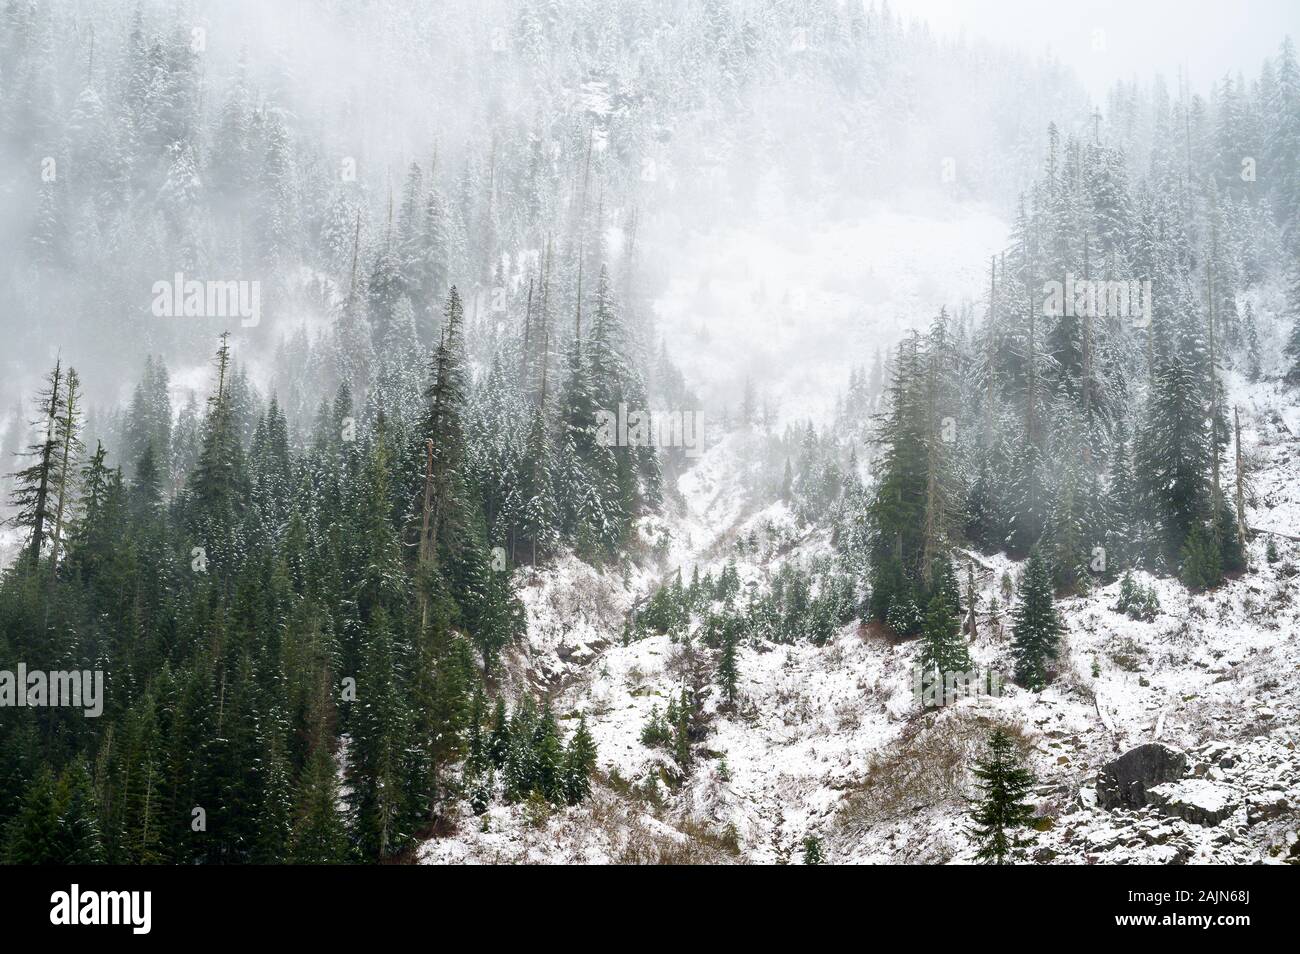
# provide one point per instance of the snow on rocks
(1196, 800)
(1127, 780)
(829, 741)
(573, 611)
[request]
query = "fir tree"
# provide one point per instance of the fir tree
(319, 834)
(579, 763)
(80, 841)
(32, 496)
(680, 720)
(1037, 629)
(498, 744)
(728, 674)
(34, 836)
(1174, 449)
(1292, 346)
(1001, 809)
(943, 651)
(1253, 369)
(812, 850)
(1201, 563)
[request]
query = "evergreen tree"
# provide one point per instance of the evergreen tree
(215, 497)
(1173, 451)
(680, 720)
(274, 824)
(897, 511)
(1037, 629)
(383, 806)
(319, 835)
(548, 757)
(32, 496)
(498, 745)
(812, 850)
(1201, 563)
(34, 837)
(579, 763)
(1253, 370)
(943, 651)
(79, 839)
(1292, 346)
(68, 440)
(444, 493)
(1001, 809)
(149, 415)
(728, 674)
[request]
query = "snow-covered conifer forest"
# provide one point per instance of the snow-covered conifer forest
(648, 431)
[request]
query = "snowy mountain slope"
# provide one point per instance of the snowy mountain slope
(830, 742)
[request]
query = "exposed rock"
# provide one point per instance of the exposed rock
(1195, 800)
(1216, 752)
(1103, 838)
(1126, 781)
(1263, 808)
(1169, 855)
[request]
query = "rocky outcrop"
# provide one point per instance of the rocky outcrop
(1266, 806)
(1126, 782)
(1195, 800)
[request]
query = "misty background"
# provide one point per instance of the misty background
(706, 147)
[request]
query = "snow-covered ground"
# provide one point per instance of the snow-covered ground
(830, 741)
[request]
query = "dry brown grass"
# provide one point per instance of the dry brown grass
(874, 631)
(928, 766)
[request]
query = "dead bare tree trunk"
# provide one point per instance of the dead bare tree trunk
(992, 352)
(1241, 484)
(68, 438)
(932, 502)
(1216, 490)
(1087, 367)
(971, 599)
(426, 545)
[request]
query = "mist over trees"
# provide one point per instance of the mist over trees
(294, 537)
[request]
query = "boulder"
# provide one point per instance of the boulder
(1124, 783)
(1217, 753)
(1195, 800)
(1262, 808)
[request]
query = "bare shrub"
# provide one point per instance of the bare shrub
(928, 766)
